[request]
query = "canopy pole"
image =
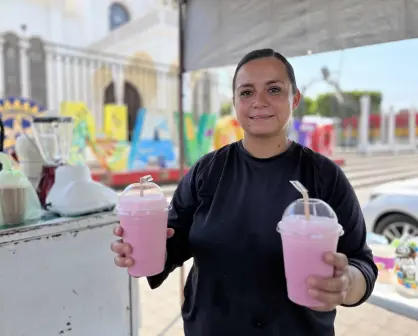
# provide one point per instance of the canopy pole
(181, 8)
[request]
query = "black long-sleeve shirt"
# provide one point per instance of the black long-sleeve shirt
(225, 212)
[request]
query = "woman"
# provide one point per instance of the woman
(226, 209)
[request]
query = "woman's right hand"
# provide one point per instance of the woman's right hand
(124, 250)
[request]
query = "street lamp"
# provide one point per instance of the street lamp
(325, 73)
(325, 77)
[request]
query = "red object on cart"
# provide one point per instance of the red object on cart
(160, 176)
(119, 179)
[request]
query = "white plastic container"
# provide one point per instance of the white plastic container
(30, 158)
(18, 199)
(406, 268)
(384, 257)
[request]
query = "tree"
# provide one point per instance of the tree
(307, 106)
(329, 106)
(226, 109)
(376, 99)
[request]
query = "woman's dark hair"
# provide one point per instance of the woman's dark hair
(264, 53)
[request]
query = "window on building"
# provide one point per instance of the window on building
(118, 15)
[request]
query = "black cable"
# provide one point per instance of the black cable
(1, 140)
(1, 136)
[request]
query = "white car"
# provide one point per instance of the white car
(392, 209)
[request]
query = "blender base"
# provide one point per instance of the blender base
(45, 184)
(74, 193)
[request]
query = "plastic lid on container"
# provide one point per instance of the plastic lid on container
(317, 208)
(9, 176)
(321, 222)
(382, 251)
(142, 198)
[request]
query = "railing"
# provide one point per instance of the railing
(51, 74)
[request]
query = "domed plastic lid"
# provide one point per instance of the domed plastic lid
(315, 206)
(311, 217)
(142, 198)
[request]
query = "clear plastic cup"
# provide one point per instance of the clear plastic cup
(305, 241)
(143, 215)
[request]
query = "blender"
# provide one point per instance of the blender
(53, 136)
(64, 188)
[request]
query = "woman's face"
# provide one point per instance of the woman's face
(263, 97)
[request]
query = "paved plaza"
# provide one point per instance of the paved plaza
(160, 315)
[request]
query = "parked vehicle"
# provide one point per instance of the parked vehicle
(392, 209)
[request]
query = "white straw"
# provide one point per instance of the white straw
(299, 187)
(142, 181)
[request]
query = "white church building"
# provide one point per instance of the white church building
(98, 52)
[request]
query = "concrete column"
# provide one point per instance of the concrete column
(412, 128)
(24, 69)
(363, 127)
(391, 129)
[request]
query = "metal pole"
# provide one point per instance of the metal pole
(181, 5)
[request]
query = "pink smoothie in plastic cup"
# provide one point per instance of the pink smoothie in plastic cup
(304, 244)
(143, 214)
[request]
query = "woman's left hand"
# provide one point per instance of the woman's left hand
(331, 291)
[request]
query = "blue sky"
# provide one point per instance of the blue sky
(390, 68)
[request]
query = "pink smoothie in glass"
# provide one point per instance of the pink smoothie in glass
(144, 223)
(304, 245)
